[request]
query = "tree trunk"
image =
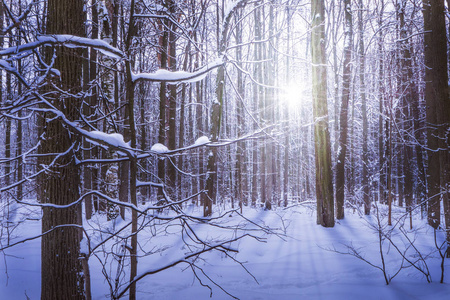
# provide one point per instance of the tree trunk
(130, 86)
(260, 95)
(408, 86)
(343, 124)
(438, 112)
(172, 134)
(20, 140)
(362, 87)
(269, 151)
(286, 115)
(2, 40)
(324, 182)
(216, 119)
(240, 153)
(436, 98)
(61, 270)
(163, 43)
(382, 111)
(9, 98)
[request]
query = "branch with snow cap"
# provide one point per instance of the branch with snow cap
(202, 141)
(10, 69)
(70, 41)
(178, 76)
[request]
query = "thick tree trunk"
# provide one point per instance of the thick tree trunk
(437, 103)
(438, 112)
(61, 270)
(324, 181)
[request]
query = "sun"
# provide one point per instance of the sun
(294, 93)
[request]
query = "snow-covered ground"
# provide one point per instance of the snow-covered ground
(295, 266)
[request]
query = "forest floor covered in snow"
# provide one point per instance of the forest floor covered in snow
(296, 263)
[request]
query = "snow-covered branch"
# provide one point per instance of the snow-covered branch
(10, 69)
(67, 40)
(178, 76)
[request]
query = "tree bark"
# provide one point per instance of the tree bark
(324, 182)
(362, 87)
(437, 103)
(343, 123)
(162, 135)
(172, 66)
(438, 112)
(240, 153)
(408, 85)
(61, 270)
(133, 169)
(382, 110)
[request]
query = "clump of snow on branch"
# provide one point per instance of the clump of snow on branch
(202, 140)
(159, 148)
(178, 76)
(113, 139)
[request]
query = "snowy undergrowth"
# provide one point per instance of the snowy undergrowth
(292, 266)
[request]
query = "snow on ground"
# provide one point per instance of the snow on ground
(296, 266)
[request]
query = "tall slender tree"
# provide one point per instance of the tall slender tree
(381, 110)
(172, 66)
(133, 167)
(362, 88)
(343, 120)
